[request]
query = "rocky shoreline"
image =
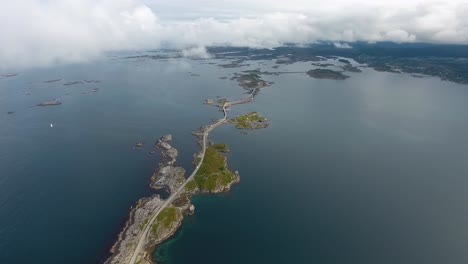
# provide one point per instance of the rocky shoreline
(169, 177)
(164, 174)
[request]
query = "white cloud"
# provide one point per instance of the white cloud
(341, 45)
(198, 52)
(42, 32)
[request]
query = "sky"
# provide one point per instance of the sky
(47, 32)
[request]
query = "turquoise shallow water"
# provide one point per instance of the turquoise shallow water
(368, 170)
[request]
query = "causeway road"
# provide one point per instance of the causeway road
(144, 234)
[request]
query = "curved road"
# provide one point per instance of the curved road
(143, 236)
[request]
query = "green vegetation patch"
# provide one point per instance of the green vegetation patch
(191, 185)
(213, 171)
(220, 147)
(167, 216)
(154, 229)
(251, 120)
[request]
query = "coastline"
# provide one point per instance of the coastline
(119, 251)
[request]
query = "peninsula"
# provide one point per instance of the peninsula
(154, 219)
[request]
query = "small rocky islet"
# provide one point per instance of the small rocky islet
(8, 75)
(252, 120)
(81, 82)
(52, 81)
(95, 90)
(54, 102)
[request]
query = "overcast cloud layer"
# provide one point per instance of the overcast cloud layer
(43, 32)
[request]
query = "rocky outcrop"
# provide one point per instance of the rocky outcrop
(50, 103)
(165, 176)
(128, 238)
(166, 138)
(8, 75)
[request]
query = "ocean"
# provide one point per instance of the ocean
(371, 169)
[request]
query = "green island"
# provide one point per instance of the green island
(327, 74)
(252, 120)
(213, 175)
(251, 80)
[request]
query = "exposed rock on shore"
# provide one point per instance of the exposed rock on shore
(170, 218)
(50, 103)
(8, 75)
(72, 83)
(95, 90)
(128, 238)
(51, 81)
(165, 176)
(209, 101)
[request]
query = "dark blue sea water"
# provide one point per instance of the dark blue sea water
(368, 170)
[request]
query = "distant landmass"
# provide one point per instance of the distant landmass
(448, 62)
